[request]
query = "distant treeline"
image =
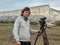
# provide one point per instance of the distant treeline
(33, 19)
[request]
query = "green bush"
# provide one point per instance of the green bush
(6, 21)
(33, 23)
(57, 23)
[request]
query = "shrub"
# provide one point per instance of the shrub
(33, 23)
(57, 23)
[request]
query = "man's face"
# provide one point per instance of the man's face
(26, 13)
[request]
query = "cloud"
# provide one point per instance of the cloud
(18, 4)
(55, 4)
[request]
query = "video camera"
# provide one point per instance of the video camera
(42, 22)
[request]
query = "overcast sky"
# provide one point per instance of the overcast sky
(6, 5)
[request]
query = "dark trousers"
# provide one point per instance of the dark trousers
(25, 43)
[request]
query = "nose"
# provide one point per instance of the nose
(27, 13)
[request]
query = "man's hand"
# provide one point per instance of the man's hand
(39, 30)
(18, 43)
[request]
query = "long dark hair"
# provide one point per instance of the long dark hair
(25, 9)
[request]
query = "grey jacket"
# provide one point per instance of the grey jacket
(21, 30)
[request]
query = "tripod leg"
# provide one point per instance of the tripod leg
(37, 38)
(45, 40)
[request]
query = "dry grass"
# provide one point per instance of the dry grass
(6, 37)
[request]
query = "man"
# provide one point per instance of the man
(22, 29)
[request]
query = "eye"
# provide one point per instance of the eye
(27, 12)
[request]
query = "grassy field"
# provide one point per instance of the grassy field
(6, 37)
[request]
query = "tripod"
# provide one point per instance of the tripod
(43, 28)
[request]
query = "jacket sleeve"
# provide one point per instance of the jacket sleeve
(15, 29)
(33, 31)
